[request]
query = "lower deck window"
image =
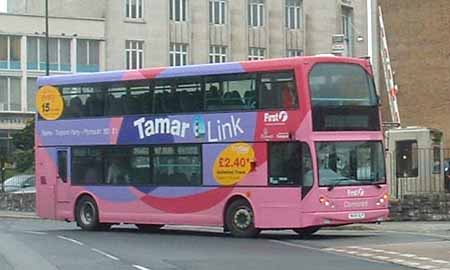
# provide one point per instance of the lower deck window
(159, 165)
(290, 164)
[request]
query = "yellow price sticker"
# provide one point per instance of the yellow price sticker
(49, 103)
(234, 163)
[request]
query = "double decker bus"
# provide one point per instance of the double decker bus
(275, 144)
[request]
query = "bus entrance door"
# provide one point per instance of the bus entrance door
(62, 182)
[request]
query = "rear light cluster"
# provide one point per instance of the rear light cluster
(326, 202)
(383, 199)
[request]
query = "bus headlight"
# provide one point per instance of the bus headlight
(383, 199)
(324, 201)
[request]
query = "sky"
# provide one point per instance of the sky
(2, 5)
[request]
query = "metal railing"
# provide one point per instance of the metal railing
(418, 171)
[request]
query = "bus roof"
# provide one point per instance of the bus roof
(186, 71)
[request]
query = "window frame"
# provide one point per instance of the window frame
(222, 9)
(178, 14)
(40, 55)
(219, 51)
(9, 50)
(139, 9)
(258, 19)
(178, 50)
(297, 9)
(9, 94)
(90, 61)
(135, 47)
(256, 53)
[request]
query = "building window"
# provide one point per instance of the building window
(256, 54)
(135, 54)
(294, 14)
(217, 54)
(59, 58)
(10, 94)
(178, 54)
(31, 94)
(9, 52)
(134, 9)
(294, 53)
(256, 13)
(178, 10)
(407, 158)
(347, 29)
(217, 11)
(88, 58)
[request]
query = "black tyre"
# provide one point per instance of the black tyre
(87, 215)
(306, 232)
(240, 219)
(149, 227)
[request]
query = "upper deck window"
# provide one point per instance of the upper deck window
(220, 93)
(343, 98)
(340, 85)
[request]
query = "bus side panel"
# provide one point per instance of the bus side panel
(276, 207)
(45, 184)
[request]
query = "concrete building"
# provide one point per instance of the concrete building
(127, 34)
(418, 35)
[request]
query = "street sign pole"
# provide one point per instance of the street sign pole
(47, 65)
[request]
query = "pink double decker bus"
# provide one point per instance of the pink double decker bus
(275, 144)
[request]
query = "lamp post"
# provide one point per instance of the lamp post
(47, 64)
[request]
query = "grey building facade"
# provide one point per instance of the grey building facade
(128, 34)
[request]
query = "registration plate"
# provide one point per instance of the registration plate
(358, 215)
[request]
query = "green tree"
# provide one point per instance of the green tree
(23, 141)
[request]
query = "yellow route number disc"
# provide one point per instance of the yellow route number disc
(49, 103)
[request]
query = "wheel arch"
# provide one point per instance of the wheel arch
(232, 198)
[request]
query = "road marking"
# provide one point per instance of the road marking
(391, 252)
(140, 267)
(426, 267)
(36, 233)
(366, 254)
(397, 260)
(105, 254)
(412, 263)
(352, 252)
(440, 261)
(70, 240)
(408, 255)
(421, 234)
(384, 258)
(424, 259)
(294, 245)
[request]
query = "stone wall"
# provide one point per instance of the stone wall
(17, 202)
(427, 207)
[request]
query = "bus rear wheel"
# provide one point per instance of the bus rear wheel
(87, 216)
(240, 219)
(149, 227)
(306, 232)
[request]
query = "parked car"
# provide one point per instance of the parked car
(25, 183)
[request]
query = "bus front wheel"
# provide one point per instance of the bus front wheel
(87, 214)
(240, 219)
(306, 232)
